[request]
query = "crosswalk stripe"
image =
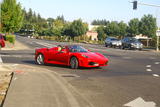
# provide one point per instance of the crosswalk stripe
(1, 59)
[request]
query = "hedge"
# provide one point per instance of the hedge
(10, 38)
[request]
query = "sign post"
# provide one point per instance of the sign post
(158, 35)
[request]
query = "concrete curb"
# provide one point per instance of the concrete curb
(6, 91)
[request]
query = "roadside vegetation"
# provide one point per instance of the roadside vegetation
(16, 19)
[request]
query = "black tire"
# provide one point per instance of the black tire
(106, 45)
(40, 59)
(110, 45)
(129, 47)
(74, 63)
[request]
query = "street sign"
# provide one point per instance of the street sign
(158, 33)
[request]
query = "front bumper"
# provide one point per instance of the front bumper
(93, 63)
(137, 46)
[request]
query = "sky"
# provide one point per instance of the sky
(88, 10)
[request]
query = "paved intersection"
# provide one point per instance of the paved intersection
(130, 74)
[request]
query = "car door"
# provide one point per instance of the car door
(51, 53)
(63, 56)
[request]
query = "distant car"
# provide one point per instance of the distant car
(2, 43)
(72, 55)
(112, 42)
(131, 43)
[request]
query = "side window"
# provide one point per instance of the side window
(127, 40)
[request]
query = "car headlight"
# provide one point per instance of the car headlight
(132, 44)
(85, 56)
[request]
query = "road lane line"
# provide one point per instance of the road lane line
(149, 70)
(155, 75)
(148, 66)
(157, 63)
(1, 59)
(46, 44)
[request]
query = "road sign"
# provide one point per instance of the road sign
(158, 33)
(139, 102)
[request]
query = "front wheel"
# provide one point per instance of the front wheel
(40, 59)
(74, 63)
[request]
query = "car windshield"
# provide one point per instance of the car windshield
(76, 48)
(134, 40)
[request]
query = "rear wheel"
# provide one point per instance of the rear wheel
(106, 45)
(40, 59)
(74, 63)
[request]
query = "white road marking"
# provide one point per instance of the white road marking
(18, 56)
(127, 57)
(1, 59)
(45, 44)
(139, 102)
(149, 70)
(157, 63)
(148, 66)
(155, 75)
(152, 58)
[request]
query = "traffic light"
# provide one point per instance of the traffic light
(134, 5)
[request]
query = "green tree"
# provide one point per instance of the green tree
(112, 29)
(133, 27)
(58, 27)
(148, 25)
(101, 33)
(11, 16)
(122, 29)
(78, 28)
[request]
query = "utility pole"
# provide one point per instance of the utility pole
(158, 35)
(135, 3)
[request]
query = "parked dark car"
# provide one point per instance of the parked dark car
(2, 43)
(131, 43)
(112, 42)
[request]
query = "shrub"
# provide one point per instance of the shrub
(11, 38)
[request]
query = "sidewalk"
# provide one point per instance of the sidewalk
(39, 87)
(17, 46)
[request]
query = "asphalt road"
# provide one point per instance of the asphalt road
(130, 75)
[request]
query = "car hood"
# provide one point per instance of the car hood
(93, 55)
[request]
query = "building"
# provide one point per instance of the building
(92, 34)
(144, 39)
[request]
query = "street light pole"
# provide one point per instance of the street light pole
(157, 43)
(158, 35)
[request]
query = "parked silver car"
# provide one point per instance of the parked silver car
(112, 42)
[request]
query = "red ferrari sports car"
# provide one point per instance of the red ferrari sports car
(71, 55)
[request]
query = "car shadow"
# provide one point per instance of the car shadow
(32, 62)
